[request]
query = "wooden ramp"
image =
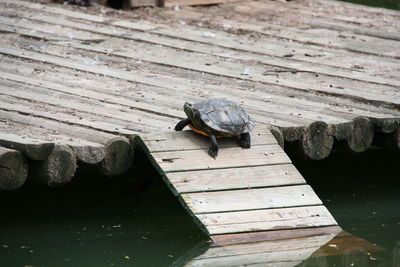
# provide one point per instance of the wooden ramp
(245, 195)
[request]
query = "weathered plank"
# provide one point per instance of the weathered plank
(263, 220)
(88, 105)
(93, 90)
(135, 26)
(207, 68)
(188, 140)
(286, 110)
(171, 3)
(227, 157)
(234, 178)
(259, 198)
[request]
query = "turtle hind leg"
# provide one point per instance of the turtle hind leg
(245, 140)
(213, 151)
(182, 124)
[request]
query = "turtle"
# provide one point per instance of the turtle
(217, 118)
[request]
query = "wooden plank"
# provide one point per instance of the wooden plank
(234, 69)
(373, 79)
(188, 140)
(141, 3)
(61, 130)
(53, 31)
(227, 157)
(263, 220)
(302, 103)
(136, 98)
(26, 127)
(266, 116)
(277, 48)
(158, 80)
(63, 114)
(251, 199)
(240, 238)
(135, 26)
(171, 3)
(235, 178)
(129, 118)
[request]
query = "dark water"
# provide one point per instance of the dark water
(95, 221)
(390, 4)
(362, 191)
(135, 220)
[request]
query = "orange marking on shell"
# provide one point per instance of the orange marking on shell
(201, 132)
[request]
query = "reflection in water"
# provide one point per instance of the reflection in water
(287, 252)
(343, 249)
(396, 255)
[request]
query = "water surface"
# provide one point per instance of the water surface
(135, 221)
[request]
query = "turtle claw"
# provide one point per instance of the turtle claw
(213, 153)
(245, 140)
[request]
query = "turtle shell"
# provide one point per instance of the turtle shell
(224, 116)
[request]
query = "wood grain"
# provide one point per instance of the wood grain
(251, 199)
(263, 220)
(234, 178)
(188, 160)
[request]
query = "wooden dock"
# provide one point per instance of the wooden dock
(78, 84)
(245, 195)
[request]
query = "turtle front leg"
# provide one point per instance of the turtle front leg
(213, 151)
(245, 140)
(182, 124)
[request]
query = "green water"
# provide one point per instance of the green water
(135, 221)
(362, 191)
(391, 4)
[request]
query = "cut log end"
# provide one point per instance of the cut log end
(90, 154)
(317, 141)
(58, 169)
(118, 157)
(13, 169)
(361, 134)
(277, 133)
(38, 151)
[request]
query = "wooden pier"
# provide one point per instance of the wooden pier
(88, 86)
(244, 195)
(78, 84)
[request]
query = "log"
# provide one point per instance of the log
(361, 135)
(31, 148)
(317, 141)
(13, 169)
(58, 169)
(388, 140)
(119, 156)
(386, 125)
(356, 135)
(277, 133)
(90, 154)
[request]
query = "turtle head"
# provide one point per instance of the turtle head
(191, 111)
